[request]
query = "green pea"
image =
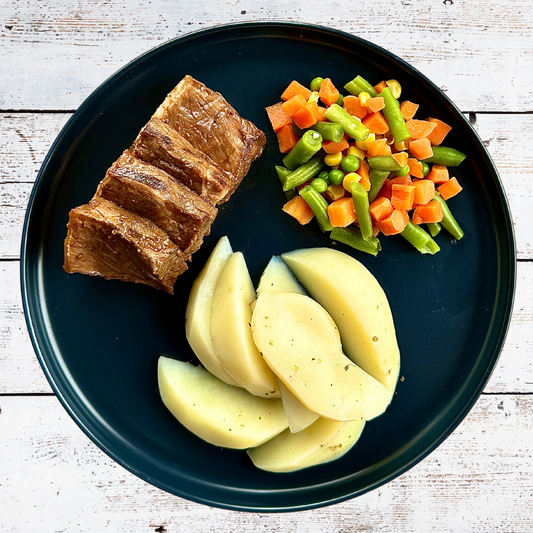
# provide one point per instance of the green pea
(336, 177)
(350, 163)
(324, 175)
(320, 185)
(340, 100)
(316, 83)
(404, 171)
(425, 169)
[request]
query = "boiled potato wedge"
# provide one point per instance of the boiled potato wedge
(357, 304)
(322, 442)
(230, 330)
(277, 277)
(198, 313)
(304, 352)
(298, 416)
(215, 411)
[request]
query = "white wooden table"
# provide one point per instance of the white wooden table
(53, 54)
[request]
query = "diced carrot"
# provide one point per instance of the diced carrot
(278, 118)
(419, 128)
(450, 188)
(438, 174)
(380, 209)
(402, 196)
(378, 147)
(331, 147)
(421, 148)
(341, 213)
(424, 191)
(439, 133)
(428, 213)
(353, 105)
(294, 104)
(298, 209)
(380, 86)
(408, 109)
(385, 191)
(395, 223)
(286, 138)
(375, 104)
(415, 167)
(376, 123)
(364, 172)
(295, 88)
(401, 158)
(307, 116)
(328, 92)
(321, 112)
(401, 180)
(365, 182)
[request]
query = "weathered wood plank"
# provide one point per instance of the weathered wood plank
(55, 479)
(477, 52)
(20, 371)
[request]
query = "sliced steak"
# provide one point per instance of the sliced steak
(152, 193)
(162, 146)
(106, 240)
(206, 119)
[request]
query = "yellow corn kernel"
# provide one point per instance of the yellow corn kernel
(401, 146)
(363, 97)
(335, 192)
(353, 150)
(333, 159)
(349, 179)
(395, 88)
(313, 97)
(363, 145)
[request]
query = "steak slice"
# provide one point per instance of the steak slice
(106, 240)
(206, 119)
(163, 147)
(153, 194)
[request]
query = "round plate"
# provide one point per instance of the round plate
(98, 341)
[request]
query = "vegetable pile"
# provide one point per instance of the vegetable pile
(362, 165)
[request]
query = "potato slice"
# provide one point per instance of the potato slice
(230, 330)
(322, 442)
(303, 351)
(298, 416)
(357, 304)
(198, 314)
(277, 277)
(215, 411)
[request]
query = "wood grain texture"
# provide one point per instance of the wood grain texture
(480, 479)
(475, 51)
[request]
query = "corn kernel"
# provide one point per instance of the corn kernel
(353, 150)
(349, 179)
(313, 97)
(363, 145)
(333, 159)
(363, 97)
(395, 88)
(401, 146)
(335, 192)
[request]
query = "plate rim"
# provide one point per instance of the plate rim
(290, 26)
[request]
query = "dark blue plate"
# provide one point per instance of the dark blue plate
(98, 341)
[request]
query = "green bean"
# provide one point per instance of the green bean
(362, 210)
(308, 145)
(352, 237)
(384, 162)
(434, 228)
(329, 130)
(298, 131)
(377, 179)
(319, 206)
(282, 175)
(351, 125)
(316, 83)
(421, 240)
(304, 173)
(359, 85)
(445, 156)
(394, 116)
(448, 221)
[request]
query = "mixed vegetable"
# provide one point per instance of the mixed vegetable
(362, 165)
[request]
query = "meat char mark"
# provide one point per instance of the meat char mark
(206, 119)
(153, 194)
(106, 240)
(162, 146)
